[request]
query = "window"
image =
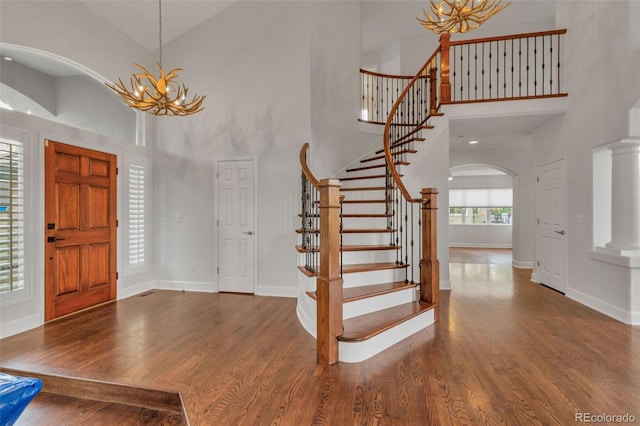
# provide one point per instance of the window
(12, 219)
(492, 206)
(136, 200)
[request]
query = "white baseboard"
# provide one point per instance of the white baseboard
(606, 308)
(204, 287)
(534, 278)
(273, 291)
(139, 288)
(20, 325)
(521, 264)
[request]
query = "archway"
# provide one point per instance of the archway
(52, 87)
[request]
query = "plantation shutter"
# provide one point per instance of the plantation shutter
(491, 197)
(136, 215)
(11, 216)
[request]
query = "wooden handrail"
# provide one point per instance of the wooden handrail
(377, 74)
(387, 129)
(508, 37)
(305, 167)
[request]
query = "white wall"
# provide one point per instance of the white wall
(490, 236)
(252, 60)
(603, 85)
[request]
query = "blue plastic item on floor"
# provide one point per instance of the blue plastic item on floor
(15, 394)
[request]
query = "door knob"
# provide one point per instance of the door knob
(559, 232)
(248, 232)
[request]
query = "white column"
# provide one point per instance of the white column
(625, 195)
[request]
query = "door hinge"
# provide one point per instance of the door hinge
(217, 222)
(218, 270)
(117, 171)
(538, 179)
(538, 221)
(538, 263)
(117, 275)
(117, 223)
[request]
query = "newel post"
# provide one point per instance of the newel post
(329, 282)
(429, 265)
(433, 91)
(445, 83)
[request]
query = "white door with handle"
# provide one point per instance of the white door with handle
(551, 247)
(236, 226)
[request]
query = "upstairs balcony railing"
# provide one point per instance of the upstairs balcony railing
(520, 66)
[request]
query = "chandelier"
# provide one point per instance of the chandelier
(459, 16)
(158, 96)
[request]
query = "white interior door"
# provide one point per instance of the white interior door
(236, 232)
(551, 247)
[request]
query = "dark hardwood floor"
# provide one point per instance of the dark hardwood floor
(505, 351)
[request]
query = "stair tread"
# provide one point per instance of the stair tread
(357, 293)
(363, 201)
(353, 247)
(365, 267)
(353, 231)
(397, 163)
(364, 188)
(367, 326)
(307, 272)
(379, 157)
(363, 177)
(397, 144)
(354, 215)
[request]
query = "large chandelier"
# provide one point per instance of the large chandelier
(459, 16)
(158, 96)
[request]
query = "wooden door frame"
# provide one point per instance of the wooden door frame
(216, 216)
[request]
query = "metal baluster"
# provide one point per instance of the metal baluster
(406, 239)
(413, 259)
(490, 55)
(475, 71)
(504, 68)
(551, 64)
(512, 70)
(558, 83)
(535, 66)
(528, 73)
(341, 229)
(520, 67)
(483, 70)
(542, 65)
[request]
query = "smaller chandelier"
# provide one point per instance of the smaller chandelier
(158, 96)
(459, 16)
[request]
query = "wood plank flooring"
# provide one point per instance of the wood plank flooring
(505, 351)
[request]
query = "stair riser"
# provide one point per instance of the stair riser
(377, 303)
(362, 182)
(364, 222)
(364, 195)
(359, 351)
(373, 277)
(363, 208)
(363, 239)
(377, 256)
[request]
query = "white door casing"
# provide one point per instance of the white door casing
(551, 245)
(236, 226)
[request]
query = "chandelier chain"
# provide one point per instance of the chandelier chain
(160, 29)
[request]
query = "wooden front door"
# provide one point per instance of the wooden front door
(80, 228)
